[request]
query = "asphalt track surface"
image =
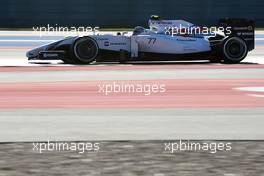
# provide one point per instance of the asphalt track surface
(52, 101)
(134, 158)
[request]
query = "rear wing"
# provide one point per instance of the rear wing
(242, 28)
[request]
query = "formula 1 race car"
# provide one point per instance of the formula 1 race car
(165, 40)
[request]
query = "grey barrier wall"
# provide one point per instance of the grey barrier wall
(123, 13)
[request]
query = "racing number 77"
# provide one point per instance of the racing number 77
(152, 41)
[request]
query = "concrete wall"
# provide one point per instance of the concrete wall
(123, 13)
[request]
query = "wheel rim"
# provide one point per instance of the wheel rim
(86, 49)
(235, 49)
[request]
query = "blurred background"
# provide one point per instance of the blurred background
(120, 13)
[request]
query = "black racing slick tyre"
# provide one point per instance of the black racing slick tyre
(234, 50)
(84, 50)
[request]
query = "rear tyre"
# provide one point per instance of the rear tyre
(85, 50)
(234, 50)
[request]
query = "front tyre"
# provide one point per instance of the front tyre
(234, 50)
(85, 50)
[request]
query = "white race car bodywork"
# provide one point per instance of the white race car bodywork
(152, 43)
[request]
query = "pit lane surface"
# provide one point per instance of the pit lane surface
(63, 102)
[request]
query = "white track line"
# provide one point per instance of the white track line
(252, 89)
(256, 95)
